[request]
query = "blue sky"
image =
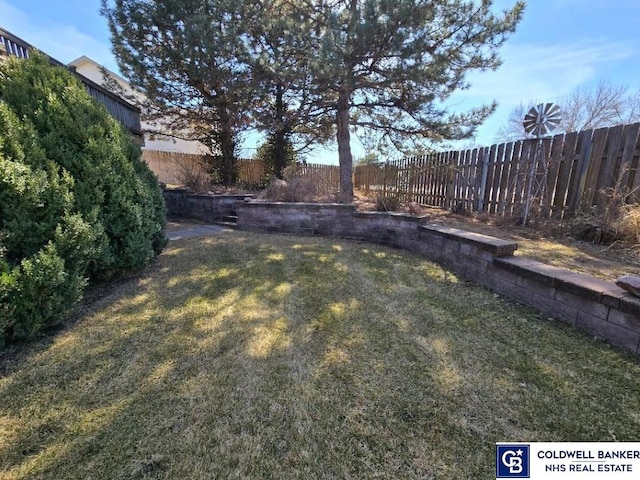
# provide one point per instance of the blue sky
(560, 45)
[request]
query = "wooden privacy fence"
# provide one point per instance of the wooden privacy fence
(555, 176)
(252, 172)
(176, 168)
(328, 176)
(172, 167)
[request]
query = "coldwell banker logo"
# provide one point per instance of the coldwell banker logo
(512, 461)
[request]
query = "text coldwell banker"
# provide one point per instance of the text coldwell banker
(589, 455)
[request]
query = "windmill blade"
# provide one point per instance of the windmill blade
(552, 111)
(530, 120)
(551, 116)
(541, 119)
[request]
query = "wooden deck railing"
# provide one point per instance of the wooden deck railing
(12, 45)
(126, 113)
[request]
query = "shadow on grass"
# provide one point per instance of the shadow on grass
(249, 356)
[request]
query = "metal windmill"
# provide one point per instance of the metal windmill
(539, 122)
(541, 119)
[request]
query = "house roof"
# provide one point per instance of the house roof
(84, 60)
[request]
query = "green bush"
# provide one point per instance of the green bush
(76, 201)
(267, 153)
(44, 246)
(113, 189)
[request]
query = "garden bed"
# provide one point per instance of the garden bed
(551, 244)
(548, 243)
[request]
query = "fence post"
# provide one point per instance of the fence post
(483, 181)
(384, 176)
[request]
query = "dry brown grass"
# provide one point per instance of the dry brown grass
(253, 356)
(548, 242)
(193, 175)
(628, 224)
(299, 187)
(553, 245)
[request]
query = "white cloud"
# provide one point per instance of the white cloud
(544, 71)
(63, 42)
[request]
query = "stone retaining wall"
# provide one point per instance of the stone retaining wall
(204, 207)
(598, 307)
(327, 219)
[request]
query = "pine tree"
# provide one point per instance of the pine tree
(388, 65)
(307, 68)
(188, 57)
(283, 50)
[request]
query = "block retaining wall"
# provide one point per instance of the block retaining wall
(598, 307)
(204, 207)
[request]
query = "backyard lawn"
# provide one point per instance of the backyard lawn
(261, 356)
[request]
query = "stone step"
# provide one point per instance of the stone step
(228, 221)
(227, 224)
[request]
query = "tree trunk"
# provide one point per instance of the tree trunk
(344, 148)
(279, 153)
(279, 139)
(227, 169)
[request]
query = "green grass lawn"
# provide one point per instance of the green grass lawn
(254, 356)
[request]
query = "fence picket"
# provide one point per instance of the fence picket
(613, 149)
(626, 161)
(555, 159)
(634, 179)
(594, 170)
(497, 179)
(507, 160)
(585, 147)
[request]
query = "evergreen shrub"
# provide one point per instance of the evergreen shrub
(77, 204)
(267, 153)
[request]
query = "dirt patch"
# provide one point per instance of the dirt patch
(549, 243)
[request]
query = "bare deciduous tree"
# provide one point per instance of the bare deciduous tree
(583, 109)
